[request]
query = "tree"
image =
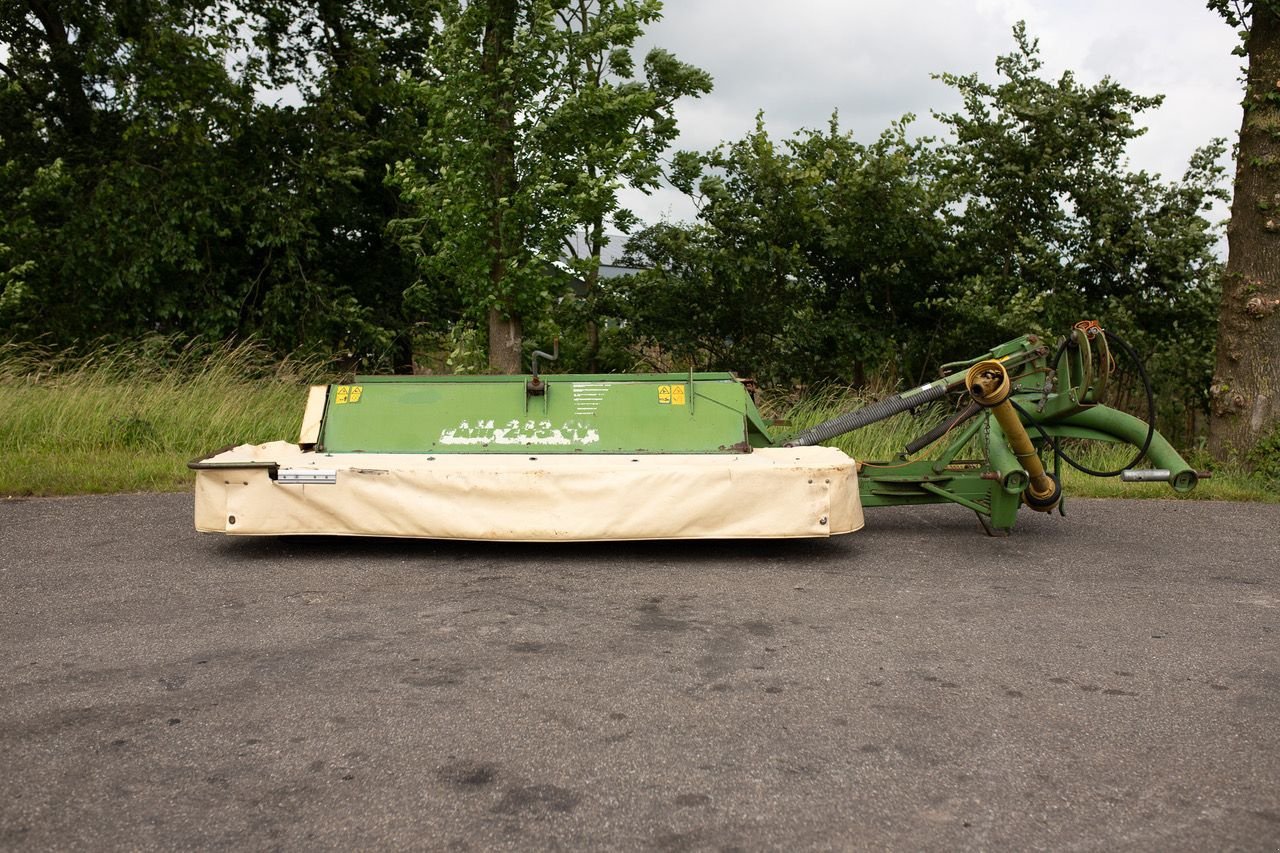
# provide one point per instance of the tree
(342, 280)
(825, 258)
(114, 172)
(149, 189)
(806, 261)
(535, 124)
(1246, 382)
(1049, 225)
(613, 128)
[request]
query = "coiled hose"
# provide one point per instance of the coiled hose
(1056, 445)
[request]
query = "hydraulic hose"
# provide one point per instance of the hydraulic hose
(918, 444)
(877, 411)
(1151, 413)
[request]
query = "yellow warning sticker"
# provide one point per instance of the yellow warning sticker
(347, 394)
(664, 394)
(677, 395)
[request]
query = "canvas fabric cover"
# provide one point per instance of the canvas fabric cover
(770, 493)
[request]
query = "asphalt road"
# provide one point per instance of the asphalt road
(1110, 680)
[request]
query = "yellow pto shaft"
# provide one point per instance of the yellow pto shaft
(989, 385)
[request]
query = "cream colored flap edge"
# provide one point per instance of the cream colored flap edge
(313, 415)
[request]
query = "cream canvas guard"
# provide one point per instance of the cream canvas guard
(279, 488)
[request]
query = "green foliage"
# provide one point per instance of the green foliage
(1264, 460)
(1048, 223)
(1238, 14)
(806, 260)
(106, 139)
(822, 258)
(533, 137)
(1234, 12)
(152, 182)
(148, 188)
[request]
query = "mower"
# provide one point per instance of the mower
(670, 456)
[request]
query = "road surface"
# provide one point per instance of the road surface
(1107, 681)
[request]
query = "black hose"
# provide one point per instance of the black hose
(877, 411)
(1057, 354)
(918, 444)
(1151, 416)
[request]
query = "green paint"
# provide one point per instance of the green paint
(653, 413)
(1069, 409)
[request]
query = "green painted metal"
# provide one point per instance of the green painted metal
(948, 477)
(1123, 427)
(1063, 400)
(574, 413)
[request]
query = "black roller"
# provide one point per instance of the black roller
(877, 411)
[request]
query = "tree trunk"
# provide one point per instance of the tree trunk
(505, 336)
(75, 108)
(505, 330)
(1245, 395)
(595, 244)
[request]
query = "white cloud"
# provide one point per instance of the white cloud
(873, 62)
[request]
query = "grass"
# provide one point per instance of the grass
(128, 419)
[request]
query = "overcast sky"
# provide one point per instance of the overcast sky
(800, 60)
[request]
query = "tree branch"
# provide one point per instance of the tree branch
(22, 84)
(66, 65)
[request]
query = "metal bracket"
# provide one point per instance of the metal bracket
(306, 476)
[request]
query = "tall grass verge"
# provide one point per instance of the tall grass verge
(883, 440)
(128, 418)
